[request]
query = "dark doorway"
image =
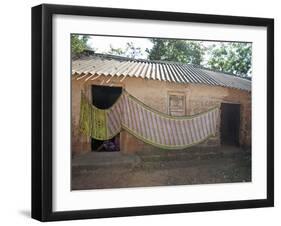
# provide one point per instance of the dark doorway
(230, 124)
(104, 97)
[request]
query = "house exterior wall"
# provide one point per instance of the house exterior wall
(154, 93)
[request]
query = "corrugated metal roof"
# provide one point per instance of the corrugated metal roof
(87, 67)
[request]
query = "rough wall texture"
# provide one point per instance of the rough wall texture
(198, 98)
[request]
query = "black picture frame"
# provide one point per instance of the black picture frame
(42, 107)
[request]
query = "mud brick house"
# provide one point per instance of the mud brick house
(171, 88)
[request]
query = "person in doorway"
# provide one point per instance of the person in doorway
(110, 145)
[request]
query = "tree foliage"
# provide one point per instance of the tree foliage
(79, 44)
(116, 51)
(176, 50)
(130, 51)
(232, 57)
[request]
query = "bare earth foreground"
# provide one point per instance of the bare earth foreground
(97, 170)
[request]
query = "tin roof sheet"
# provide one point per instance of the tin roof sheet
(87, 67)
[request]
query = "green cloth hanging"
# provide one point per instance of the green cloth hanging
(153, 127)
(99, 125)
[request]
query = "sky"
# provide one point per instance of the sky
(101, 44)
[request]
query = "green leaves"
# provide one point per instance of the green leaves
(235, 58)
(231, 57)
(176, 50)
(79, 44)
(130, 51)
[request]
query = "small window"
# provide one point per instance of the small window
(176, 103)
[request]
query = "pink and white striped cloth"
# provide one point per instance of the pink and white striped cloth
(157, 128)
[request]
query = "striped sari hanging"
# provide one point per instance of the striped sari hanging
(147, 124)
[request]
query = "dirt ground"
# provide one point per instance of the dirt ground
(161, 168)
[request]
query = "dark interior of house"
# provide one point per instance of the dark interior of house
(104, 97)
(230, 124)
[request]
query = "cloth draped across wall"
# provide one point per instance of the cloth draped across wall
(151, 126)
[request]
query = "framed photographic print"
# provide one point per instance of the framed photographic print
(147, 112)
